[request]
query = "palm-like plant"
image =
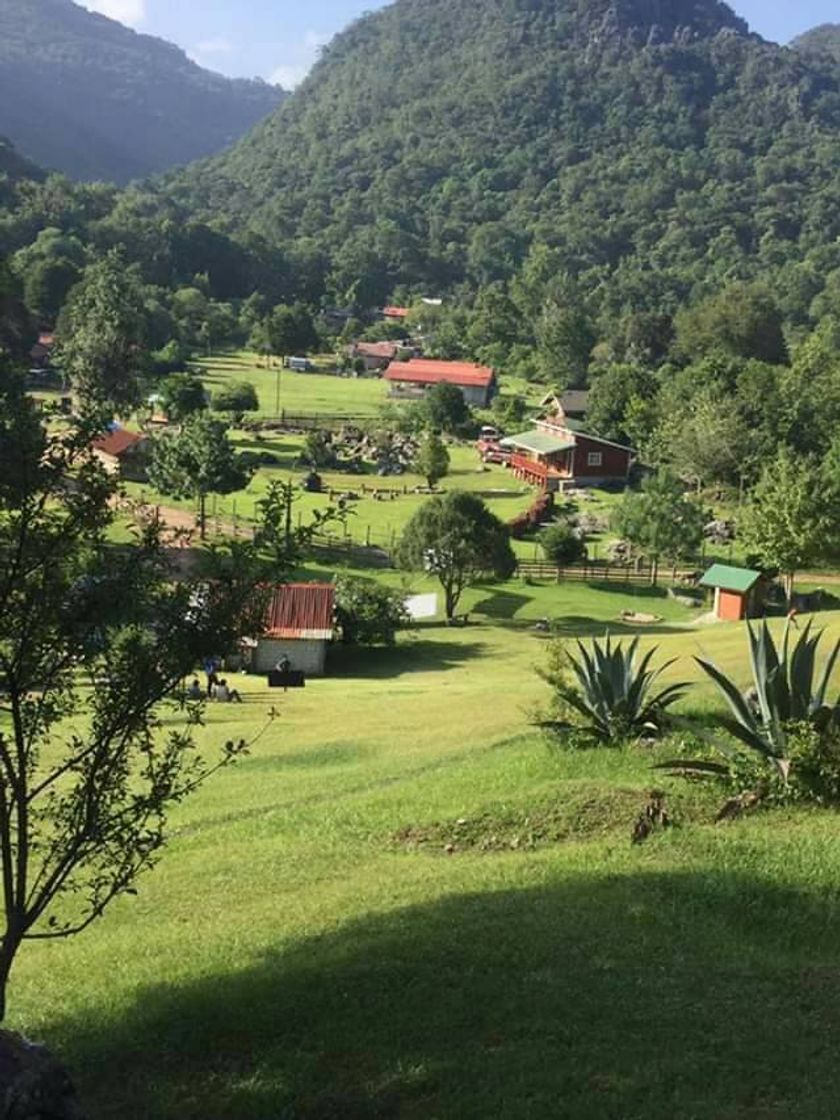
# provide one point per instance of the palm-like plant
(787, 690)
(613, 690)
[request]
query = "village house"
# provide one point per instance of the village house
(41, 353)
(413, 378)
(300, 624)
(555, 453)
(395, 313)
(123, 453)
(374, 355)
(572, 402)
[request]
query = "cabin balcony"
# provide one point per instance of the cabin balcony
(536, 473)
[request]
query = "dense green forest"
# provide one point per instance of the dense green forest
(651, 151)
(84, 95)
(639, 197)
(825, 38)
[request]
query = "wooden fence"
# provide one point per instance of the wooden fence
(603, 572)
(308, 421)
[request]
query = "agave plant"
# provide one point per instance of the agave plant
(614, 690)
(787, 690)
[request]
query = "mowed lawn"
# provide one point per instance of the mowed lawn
(298, 392)
(295, 957)
(380, 508)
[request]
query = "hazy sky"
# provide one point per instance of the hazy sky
(279, 39)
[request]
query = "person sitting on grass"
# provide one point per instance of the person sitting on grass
(226, 695)
(195, 691)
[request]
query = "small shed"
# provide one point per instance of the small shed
(735, 591)
(300, 623)
(123, 453)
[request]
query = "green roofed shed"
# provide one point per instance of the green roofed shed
(540, 443)
(734, 590)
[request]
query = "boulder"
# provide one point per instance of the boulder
(33, 1084)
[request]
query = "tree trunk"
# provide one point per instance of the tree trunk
(202, 516)
(8, 952)
(654, 571)
(450, 602)
(788, 586)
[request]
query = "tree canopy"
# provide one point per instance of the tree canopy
(458, 539)
(197, 461)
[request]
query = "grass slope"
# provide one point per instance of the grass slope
(291, 958)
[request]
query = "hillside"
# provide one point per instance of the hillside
(655, 146)
(825, 38)
(84, 95)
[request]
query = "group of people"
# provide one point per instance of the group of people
(217, 687)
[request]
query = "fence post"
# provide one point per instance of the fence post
(367, 536)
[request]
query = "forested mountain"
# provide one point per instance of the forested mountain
(83, 94)
(824, 38)
(649, 150)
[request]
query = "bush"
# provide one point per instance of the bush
(367, 613)
(238, 397)
(562, 544)
(607, 690)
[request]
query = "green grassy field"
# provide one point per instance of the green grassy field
(298, 392)
(380, 521)
(307, 949)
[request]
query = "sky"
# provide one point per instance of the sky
(279, 40)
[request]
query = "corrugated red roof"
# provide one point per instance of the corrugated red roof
(301, 610)
(395, 312)
(116, 443)
(426, 372)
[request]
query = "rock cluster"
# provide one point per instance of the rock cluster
(33, 1084)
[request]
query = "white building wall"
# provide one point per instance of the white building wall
(309, 655)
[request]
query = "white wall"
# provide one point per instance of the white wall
(308, 655)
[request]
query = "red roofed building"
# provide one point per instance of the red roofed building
(413, 378)
(394, 312)
(554, 454)
(41, 352)
(299, 625)
(375, 355)
(123, 453)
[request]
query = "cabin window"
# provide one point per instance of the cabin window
(595, 459)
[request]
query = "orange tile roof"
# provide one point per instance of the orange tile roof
(116, 443)
(423, 371)
(301, 610)
(395, 312)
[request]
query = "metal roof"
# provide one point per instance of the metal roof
(426, 371)
(740, 580)
(301, 611)
(543, 443)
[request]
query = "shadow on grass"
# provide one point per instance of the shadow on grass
(581, 626)
(420, 656)
(501, 604)
(706, 995)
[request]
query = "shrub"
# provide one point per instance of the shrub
(237, 397)
(790, 732)
(368, 613)
(610, 689)
(562, 544)
(785, 692)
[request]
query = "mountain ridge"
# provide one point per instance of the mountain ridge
(83, 94)
(435, 134)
